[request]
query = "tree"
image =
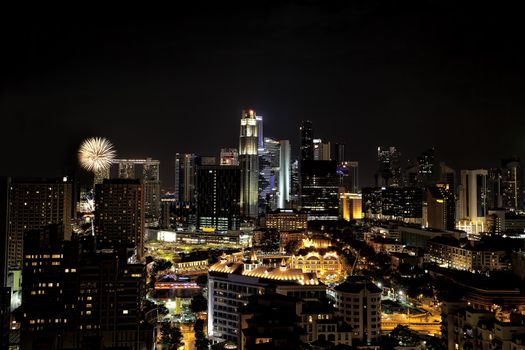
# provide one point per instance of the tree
(201, 342)
(198, 303)
(202, 280)
(175, 338)
(292, 246)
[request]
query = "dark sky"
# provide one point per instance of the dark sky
(418, 74)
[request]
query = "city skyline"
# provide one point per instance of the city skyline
(365, 75)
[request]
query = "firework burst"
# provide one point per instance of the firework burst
(96, 154)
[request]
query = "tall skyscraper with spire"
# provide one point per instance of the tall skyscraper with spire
(249, 163)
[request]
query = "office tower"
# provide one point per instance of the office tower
(207, 160)
(110, 297)
(494, 188)
(287, 220)
(338, 152)
(34, 204)
(359, 303)
(372, 197)
(185, 172)
(321, 150)
(269, 162)
(49, 291)
(229, 156)
(260, 133)
(119, 215)
(349, 175)
(447, 175)
(249, 164)
(351, 206)
(441, 207)
(284, 174)
(472, 205)
(426, 167)
(389, 159)
(320, 189)
(511, 183)
(218, 193)
(295, 183)
(306, 140)
(150, 176)
(167, 208)
(232, 282)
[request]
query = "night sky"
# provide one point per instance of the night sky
(415, 75)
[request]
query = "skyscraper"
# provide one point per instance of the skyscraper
(441, 207)
(249, 164)
(284, 174)
(338, 152)
(321, 150)
(269, 174)
(150, 176)
(119, 215)
(511, 183)
(34, 204)
(218, 193)
(389, 166)
(320, 189)
(185, 172)
(306, 140)
(229, 156)
(472, 201)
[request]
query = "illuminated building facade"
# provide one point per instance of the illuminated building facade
(34, 204)
(454, 254)
(349, 175)
(321, 150)
(325, 263)
(359, 303)
(269, 168)
(351, 206)
(150, 176)
(440, 208)
(472, 201)
(229, 156)
(287, 220)
(320, 189)
(119, 215)
(249, 164)
(185, 173)
(218, 193)
(394, 203)
(232, 282)
(285, 178)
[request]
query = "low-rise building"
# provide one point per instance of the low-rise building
(287, 220)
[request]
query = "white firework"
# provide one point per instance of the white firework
(96, 154)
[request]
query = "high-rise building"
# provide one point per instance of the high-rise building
(494, 188)
(260, 133)
(249, 164)
(441, 207)
(119, 215)
(306, 140)
(34, 204)
(338, 152)
(229, 156)
(472, 205)
(389, 159)
(150, 176)
(269, 163)
(218, 193)
(5, 291)
(49, 292)
(295, 183)
(359, 303)
(511, 184)
(321, 150)
(447, 175)
(185, 172)
(284, 174)
(320, 189)
(349, 175)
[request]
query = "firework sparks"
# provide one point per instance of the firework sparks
(96, 154)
